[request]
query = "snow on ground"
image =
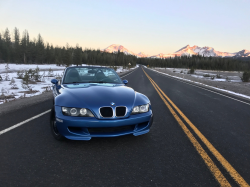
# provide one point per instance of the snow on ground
(17, 67)
(37, 87)
(211, 75)
(231, 92)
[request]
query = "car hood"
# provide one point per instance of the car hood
(95, 96)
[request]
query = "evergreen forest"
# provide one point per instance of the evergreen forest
(199, 62)
(20, 49)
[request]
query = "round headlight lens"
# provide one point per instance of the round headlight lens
(143, 108)
(83, 111)
(73, 111)
(136, 109)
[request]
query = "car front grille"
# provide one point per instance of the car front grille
(120, 111)
(106, 112)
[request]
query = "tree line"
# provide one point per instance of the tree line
(199, 62)
(22, 50)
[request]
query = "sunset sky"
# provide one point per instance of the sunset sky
(152, 27)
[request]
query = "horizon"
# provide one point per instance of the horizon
(140, 26)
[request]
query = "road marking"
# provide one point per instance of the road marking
(21, 123)
(234, 174)
(208, 161)
(183, 81)
(129, 73)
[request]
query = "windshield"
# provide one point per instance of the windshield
(91, 75)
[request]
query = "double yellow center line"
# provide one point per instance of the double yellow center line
(210, 164)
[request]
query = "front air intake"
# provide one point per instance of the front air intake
(106, 112)
(120, 111)
(103, 130)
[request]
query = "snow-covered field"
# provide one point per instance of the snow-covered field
(158, 70)
(49, 71)
(210, 75)
(16, 67)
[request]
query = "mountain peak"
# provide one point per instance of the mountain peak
(184, 51)
(141, 54)
(204, 51)
(243, 53)
(187, 46)
(114, 48)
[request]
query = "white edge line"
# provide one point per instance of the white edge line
(23, 122)
(129, 73)
(201, 87)
(34, 117)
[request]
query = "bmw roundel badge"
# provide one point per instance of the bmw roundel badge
(112, 104)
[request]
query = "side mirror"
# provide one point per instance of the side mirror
(54, 81)
(125, 81)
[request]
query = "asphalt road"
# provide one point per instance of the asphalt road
(30, 156)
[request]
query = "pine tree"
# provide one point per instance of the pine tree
(26, 82)
(16, 45)
(7, 47)
(1, 47)
(39, 49)
(3, 91)
(23, 47)
(37, 77)
(67, 56)
(245, 77)
(13, 83)
(77, 55)
(7, 72)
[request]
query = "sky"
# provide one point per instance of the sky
(152, 27)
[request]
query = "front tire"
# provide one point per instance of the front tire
(53, 127)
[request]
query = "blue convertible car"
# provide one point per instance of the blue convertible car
(94, 102)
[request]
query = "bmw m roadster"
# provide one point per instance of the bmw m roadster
(95, 102)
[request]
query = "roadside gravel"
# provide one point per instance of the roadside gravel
(24, 102)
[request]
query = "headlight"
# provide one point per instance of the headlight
(140, 109)
(80, 112)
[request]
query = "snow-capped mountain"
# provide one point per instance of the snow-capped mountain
(141, 54)
(243, 53)
(161, 55)
(206, 51)
(185, 51)
(115, 48)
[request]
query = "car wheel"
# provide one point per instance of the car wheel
(53, 127)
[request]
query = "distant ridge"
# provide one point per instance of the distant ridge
(204, 51)
(184, 51)
(243, 53)
(115, 48)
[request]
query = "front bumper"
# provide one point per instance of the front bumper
(83, 128)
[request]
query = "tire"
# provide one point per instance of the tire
(53, 127)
